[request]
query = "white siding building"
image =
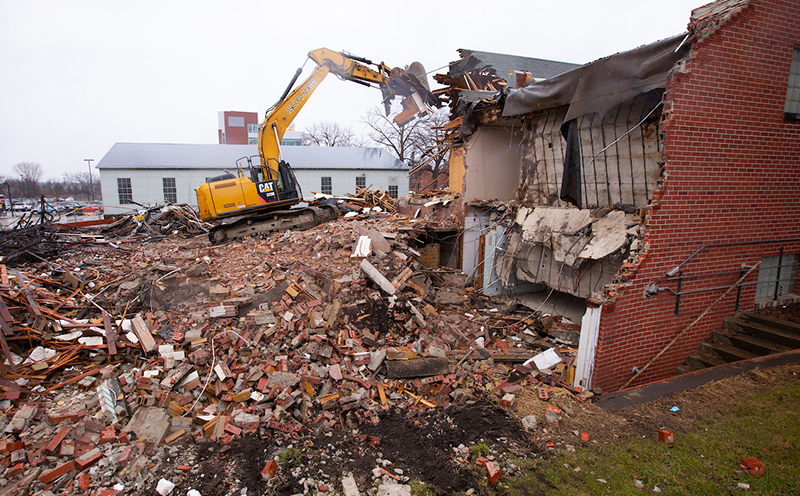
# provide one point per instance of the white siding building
(150, 173)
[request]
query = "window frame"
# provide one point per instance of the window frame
(124, 190)
(326, 189)
(170, 192)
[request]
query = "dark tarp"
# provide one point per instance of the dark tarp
(603, 85)
(571, 177)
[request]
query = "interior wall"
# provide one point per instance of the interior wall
(616, 168)
(492, 164)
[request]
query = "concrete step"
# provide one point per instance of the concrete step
(699, 361)
(763, 331)
(749, 343)
(766, 320)
(726, 352)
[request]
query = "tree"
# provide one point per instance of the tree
(77, 184)
(330, 134)
(29, 173)
(419, 144)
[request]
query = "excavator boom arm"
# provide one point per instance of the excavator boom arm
(283, 113)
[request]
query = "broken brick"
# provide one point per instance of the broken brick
(752, 466)
(269, 470)
(57, 472)
(493, 470)
(89, 459)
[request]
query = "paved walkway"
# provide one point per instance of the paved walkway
(657, 390)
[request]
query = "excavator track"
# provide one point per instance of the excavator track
(280, 220)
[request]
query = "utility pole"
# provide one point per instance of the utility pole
(91, 189)
(10, 202)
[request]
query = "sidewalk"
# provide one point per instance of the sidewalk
(657, 390)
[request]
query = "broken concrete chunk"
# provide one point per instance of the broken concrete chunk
(377, 277)
(529, 422)
(150, 423)
(349, 487)
(376, 359)
(394, 490)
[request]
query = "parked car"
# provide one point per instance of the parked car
(91, 209)
(49, 208)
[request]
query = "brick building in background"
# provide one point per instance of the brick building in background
(644, 185)
(237, 128)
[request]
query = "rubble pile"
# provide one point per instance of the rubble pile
(159, 220)
(119, 352)
(363, 201)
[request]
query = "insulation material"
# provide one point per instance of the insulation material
(614, 167)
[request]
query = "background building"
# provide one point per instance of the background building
(241, 128)
(150, 173)
(238, 128)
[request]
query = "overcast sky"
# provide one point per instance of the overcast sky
(79, 76)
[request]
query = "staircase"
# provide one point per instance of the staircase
(745, 336)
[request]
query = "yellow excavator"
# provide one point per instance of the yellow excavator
(258, 199)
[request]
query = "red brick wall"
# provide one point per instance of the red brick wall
(238, 135)
(732, 173)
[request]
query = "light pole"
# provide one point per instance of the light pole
(91, 189)
(10, 202)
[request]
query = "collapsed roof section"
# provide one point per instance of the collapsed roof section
(571, 250)
(483, 75)
(603, 85)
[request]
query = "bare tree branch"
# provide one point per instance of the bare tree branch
(29, 175)
(330, 134)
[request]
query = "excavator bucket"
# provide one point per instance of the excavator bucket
(411, 83)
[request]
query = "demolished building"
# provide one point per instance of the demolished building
(653, 191)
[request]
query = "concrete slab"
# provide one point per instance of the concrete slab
(150, 423)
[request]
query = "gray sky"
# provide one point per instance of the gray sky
(78, 76)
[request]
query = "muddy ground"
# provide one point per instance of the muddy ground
(424, 446)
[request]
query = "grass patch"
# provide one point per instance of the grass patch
(703, 460)
(420, 488)
(291, 457)
(477, 450)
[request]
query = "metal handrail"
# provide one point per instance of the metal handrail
(674, 271)
(654, 288)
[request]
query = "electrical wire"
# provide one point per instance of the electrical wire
(211, 369)
(626, 133)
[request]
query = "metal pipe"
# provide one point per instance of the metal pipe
(778, 275)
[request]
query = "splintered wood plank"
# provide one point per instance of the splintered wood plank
(111, 335)
(6, 317)
(143, 333)
(4, 344)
